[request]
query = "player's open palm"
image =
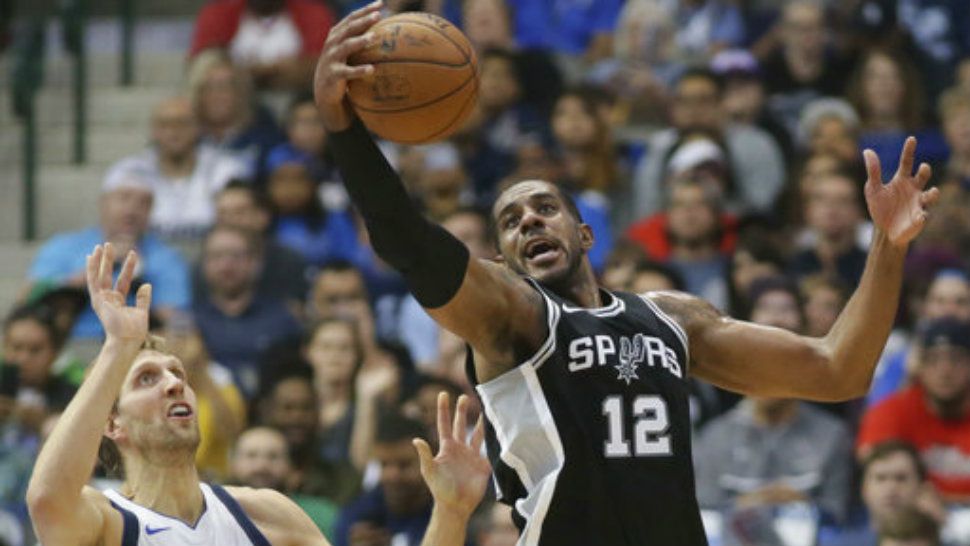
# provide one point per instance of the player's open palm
(899, 208)
(120, 320)
(458, 474)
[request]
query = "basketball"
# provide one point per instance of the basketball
(424, 83)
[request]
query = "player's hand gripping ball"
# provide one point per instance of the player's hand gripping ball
(425, 79)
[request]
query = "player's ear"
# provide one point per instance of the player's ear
(112, 430)
(586, 236)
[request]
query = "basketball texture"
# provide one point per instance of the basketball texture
(425, 79)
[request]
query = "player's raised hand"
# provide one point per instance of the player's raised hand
(120, 321)
(899, 208)
(330, 79)
(458, 474)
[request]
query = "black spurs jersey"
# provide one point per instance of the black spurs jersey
(590, 438)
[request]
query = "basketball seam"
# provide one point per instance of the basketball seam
(461, 116)
(445, 36)
(420, 61)
(415, 106)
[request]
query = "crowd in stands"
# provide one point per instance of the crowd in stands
(713, 145)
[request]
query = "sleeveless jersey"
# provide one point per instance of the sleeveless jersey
(589, 439)
(223, 522)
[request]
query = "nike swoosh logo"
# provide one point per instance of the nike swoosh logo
(150, 531)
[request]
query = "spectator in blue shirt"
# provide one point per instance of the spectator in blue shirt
(570, 27)
(236, 321)
(397, 511)
(125, 207)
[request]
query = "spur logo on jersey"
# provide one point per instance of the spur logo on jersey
(626, 356)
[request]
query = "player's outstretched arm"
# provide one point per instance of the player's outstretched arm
(457, 475)
(495, 311)
(62, 511)
(766, 361)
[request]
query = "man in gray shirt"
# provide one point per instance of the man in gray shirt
(768, 452)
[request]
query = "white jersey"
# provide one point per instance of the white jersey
(222, 523)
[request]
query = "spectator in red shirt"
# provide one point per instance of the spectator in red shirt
(278, 41)
(934, 414)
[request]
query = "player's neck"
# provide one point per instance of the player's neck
(170, 490)
(582, 288)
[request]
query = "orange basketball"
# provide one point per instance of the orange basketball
(424, 83)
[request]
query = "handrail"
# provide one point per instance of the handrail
(27, 78)
(74, 17)
(127, 72)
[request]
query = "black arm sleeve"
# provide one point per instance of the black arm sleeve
(432, 261)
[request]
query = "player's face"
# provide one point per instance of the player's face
(156, 415)
(891, 484)
(537, 234)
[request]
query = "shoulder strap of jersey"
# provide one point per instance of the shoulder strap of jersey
(674, 326)
(553, 311)
(255, 535)
(129, 532)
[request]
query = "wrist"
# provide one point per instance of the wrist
(454, 513)
(881, 239)
(121, 344)
(336, 117)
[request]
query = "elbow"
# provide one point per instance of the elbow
(41, 501)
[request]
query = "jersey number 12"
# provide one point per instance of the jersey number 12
(649, 415)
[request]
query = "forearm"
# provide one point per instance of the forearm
(859, 334)
(363, 432)
(431, 260)
(67, 459)
(446, 528)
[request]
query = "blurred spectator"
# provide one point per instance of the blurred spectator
(261, 459)
(348, 397)
(301, 222)
(954, 112)
(277, 41)
(397, 511)
(237, 322)
(755, 160)
(229, 116)
(414, 327)
(500, 123)
(824, 297)
(692, 237)
(421, 404)
(488, 25)
(947, 295)
(438, 180)
(933, 414)
(495, 526)
(585, 144)
(220, 406)
(183, 173)
(621, 263)
(572, 28)
(31, 387)
(770, 451)
(339, 292)
(910, 528)
(124, 208)
(305, 132)
(644, 64)
(282, 271)
(649, 276)
(744, 100)
(893, 482)
(830, 126)
(886, 91)
(705, 27)
(755, 257)
(833, 212)
(804, 67)
(940, 30)
(291, 407)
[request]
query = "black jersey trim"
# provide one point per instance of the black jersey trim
(614, 308)
(252, 532)
(672, 324)
(130, 528)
